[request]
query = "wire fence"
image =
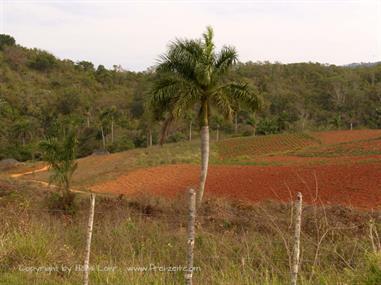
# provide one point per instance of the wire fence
(237, 258)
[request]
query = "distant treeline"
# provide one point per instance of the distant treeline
(42, 96)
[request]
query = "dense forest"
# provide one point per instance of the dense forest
(42, 96)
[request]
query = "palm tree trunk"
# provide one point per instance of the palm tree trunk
(112, 131)
(190, 131)
(103, 138)
(204, 161)
(218, 134)
(150, 137)
(88, 121)
(236, 123)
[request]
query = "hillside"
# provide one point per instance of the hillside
(43, 96)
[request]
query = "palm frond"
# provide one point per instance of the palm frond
(227, 57)
(242, 93)
(172, 93)
(181, 58)
(223, 103)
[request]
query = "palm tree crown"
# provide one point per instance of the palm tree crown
(191, 73)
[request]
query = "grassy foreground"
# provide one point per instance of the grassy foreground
(236, 243)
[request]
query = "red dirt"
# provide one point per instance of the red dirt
(334, 137)
(262, 145)
(357, 185)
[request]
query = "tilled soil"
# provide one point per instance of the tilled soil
(357, 185)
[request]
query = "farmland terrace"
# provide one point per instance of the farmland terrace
(335, 167)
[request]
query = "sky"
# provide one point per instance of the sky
(134, 33)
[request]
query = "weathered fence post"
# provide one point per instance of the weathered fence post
(296, 251)
(88, 241)
(191, 235)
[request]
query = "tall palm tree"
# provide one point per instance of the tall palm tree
(191, 74)
(108, 116)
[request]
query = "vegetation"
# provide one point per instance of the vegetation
(61, 155)
(193, 74)
(236, 243)
(59, 110)
(39, 93)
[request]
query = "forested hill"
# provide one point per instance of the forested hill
(41, 95)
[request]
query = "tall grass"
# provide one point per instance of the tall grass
(236, 243)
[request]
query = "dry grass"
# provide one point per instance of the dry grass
(236, 243)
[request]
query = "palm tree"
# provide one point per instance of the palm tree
(61, 154)
(252, 122)
(191, 74)
(217, 122)
(108, 116)
(22, 129)
(189, 118)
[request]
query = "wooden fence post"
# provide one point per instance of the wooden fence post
(191, 236)
(88, 241)
(296, 251)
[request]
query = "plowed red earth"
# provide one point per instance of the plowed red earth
(357, 185)
(335, 137)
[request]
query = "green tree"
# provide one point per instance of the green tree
(43, 61)
(252, 122)
(22, 129)
(61, 155)
(189, 118)
(6, 40)
(108, 116)
(216, 122)
(193, 73)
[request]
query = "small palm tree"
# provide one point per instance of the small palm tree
(61, 154)
(192, 74)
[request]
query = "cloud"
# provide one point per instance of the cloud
(133, 34)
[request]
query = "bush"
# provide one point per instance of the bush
(20, 153)
(43, 61)
(123, 144)
(6, 40)
(267, 127)
(57, 203)
(176, 137)
(87, 142)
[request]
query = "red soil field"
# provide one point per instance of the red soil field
(357, 185)
(334, 137)
(262, 145)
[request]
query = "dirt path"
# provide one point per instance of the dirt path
(15, 175)
(44, 183)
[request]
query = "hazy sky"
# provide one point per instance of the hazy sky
(134, 33)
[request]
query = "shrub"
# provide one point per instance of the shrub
(123, 144)
(87, 142)
(176, 137)
(43, 61)
(267, 127)
(6, 40)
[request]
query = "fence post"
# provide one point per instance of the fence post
(191, 234)
(88, 241)
(296, 251)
